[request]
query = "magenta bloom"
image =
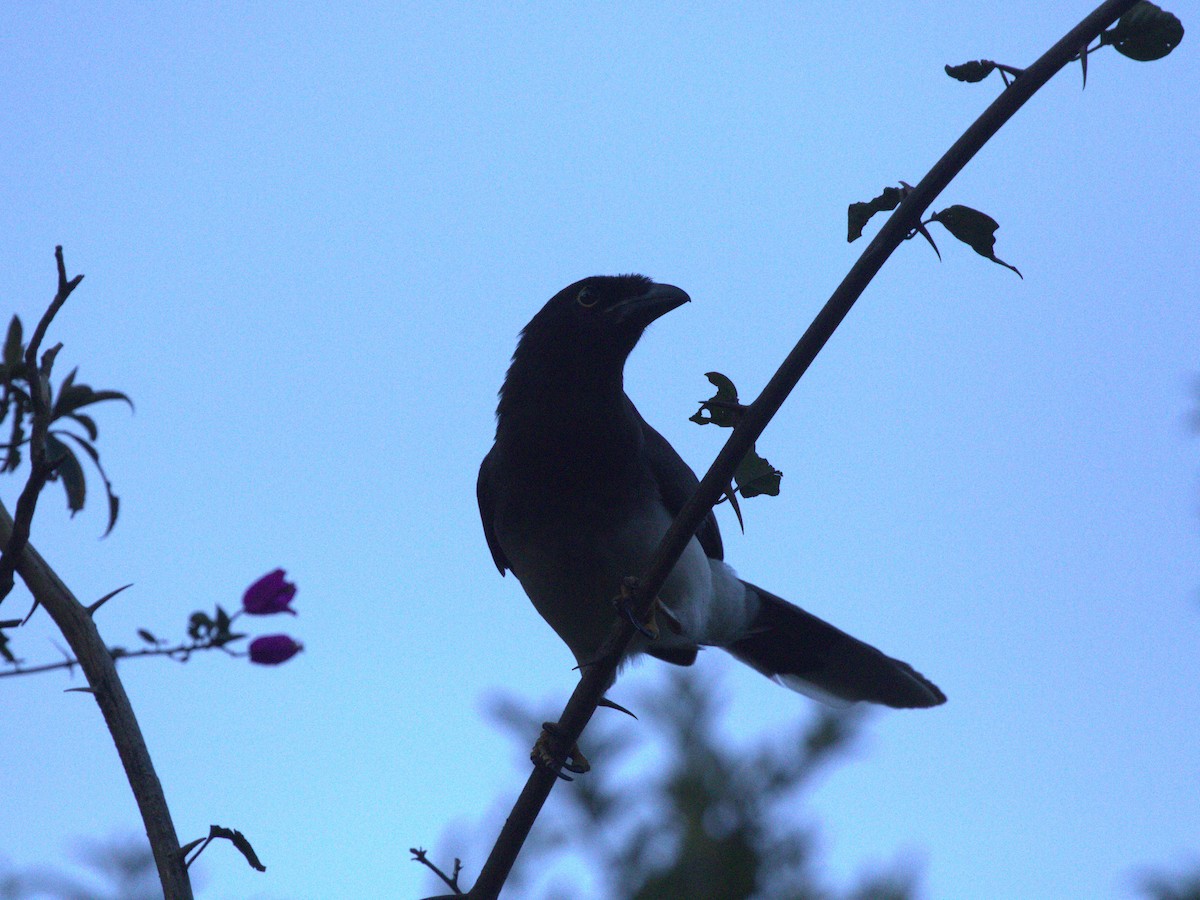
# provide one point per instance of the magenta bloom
(270, 594)
(273, 649)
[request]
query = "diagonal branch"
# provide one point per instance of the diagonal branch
(75, 622)
(596, 678)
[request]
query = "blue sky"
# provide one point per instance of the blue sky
(310, 238)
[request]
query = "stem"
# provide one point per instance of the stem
(598, 677)
(39, 403)
(76, 624)
(180, 652)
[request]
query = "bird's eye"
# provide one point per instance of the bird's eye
(586, 297)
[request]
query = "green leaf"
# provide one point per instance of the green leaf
(860, 213)
(66, 391)
(101, 396)
(973, 228)
(76, 396)
(756, 476)
(972, 71)
(1145, 33)
(199, 625)
(68, 470)
(722, 408)
(87, 423)
(223, 621)
(73, 397)
(14, 347)
(113, 500)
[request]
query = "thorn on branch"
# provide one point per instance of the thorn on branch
(32, 609)
(91, 610)
(731, 496)
(924, 232)
(609, 704)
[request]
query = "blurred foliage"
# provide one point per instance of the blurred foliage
(123, 869)
(673, 808)
(702, 820)
(1184, 886)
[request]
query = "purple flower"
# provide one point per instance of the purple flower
(273, 649)
(269, 595)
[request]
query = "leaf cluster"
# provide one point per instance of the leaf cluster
(215, 630)
(70, 430)
(754, 475)
(974, 228)
(1144, 33)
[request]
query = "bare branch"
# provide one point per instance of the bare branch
(422, 856)
(180, 652)
(64, 291)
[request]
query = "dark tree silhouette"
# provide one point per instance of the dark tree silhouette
(701, 819)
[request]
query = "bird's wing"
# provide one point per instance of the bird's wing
(676, 481)
(486, 512)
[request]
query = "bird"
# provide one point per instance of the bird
(578, 489)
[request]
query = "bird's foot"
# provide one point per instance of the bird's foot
(550, 752)
(648, 627)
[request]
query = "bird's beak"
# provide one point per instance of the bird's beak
(657, 300)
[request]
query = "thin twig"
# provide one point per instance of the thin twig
(65, 287)
(596, 678)
(422, 856)
(180, 653)
(40, 469)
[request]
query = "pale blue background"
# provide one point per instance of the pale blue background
(310, 237)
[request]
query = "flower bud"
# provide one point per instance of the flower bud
(270, 594)
(273, 649)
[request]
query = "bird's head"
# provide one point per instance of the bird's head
(601, 316)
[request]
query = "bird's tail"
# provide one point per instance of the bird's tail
(803, 653)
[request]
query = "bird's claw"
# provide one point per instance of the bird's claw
(550, 753)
